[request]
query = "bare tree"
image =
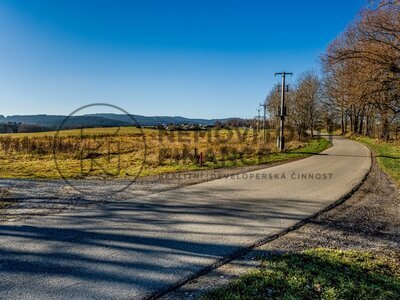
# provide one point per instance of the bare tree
(308, 99)
(363, 66)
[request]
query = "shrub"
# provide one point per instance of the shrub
(164, 153)
(210, 155)
(224, 150)
(6, 143)
(248, 150)
(186, 153)
(176, 154)
(263, 150)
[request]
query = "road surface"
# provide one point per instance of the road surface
(134, 248)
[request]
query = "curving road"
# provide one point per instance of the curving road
(135, 248)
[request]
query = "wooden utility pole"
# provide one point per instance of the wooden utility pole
(282, 113)
(258, 119)
(264, 121)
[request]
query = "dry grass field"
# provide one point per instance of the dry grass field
(129, 151)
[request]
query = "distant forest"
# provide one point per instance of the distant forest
(14, 127)
(38, 123)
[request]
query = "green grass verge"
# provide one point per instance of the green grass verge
(387, 153)
(313, 147)
(318, 274)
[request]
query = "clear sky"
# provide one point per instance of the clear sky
(208, 59)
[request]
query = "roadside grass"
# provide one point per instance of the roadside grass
(318, 274)
(387, 153)
(298, 151)
(119, 153)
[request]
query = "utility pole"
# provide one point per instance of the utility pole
(264, 120)
(258, 119)
(282, 113)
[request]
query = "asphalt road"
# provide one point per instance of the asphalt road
(134, 248)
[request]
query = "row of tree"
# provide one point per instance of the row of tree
(359, 89)
(362, 67)
(14, 127)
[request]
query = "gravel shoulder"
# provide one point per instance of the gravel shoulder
(369, 220)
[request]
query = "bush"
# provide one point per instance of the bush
(164, 153)
(224, 150)
(176, 154)
(210, 155)
(186, 153)
(263, 150)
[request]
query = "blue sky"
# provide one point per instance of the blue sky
(209, 59)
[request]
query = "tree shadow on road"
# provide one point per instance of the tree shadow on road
(134, 247)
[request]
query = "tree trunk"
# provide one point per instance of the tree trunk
(351, 123)
(355, 124)
(361, 124)
(367, 125)
(312, 127)
(384, 135)
(342, 124)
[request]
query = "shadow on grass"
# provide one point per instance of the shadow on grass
(387, 156)
(317, 274)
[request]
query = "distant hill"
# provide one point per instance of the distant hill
(104, 120)
(158, 120)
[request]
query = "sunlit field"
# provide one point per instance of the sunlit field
(131, 152)
(128, 130)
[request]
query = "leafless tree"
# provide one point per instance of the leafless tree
(363, 66)
(308, 99)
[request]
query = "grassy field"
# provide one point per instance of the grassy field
(129, 151)
(387, 153)
(127, 130)
(318, 274)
